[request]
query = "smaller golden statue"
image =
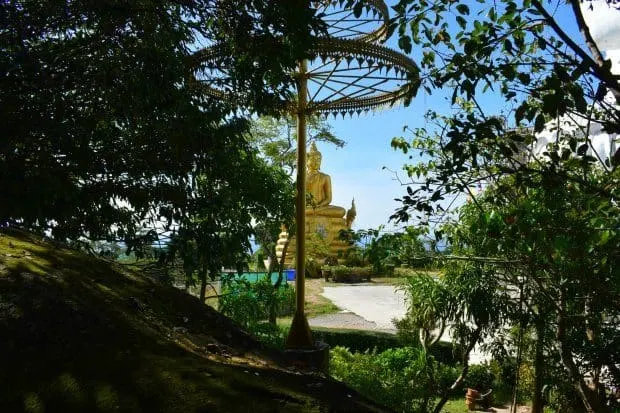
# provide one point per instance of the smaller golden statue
(322, 219)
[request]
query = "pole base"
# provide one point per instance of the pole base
(315, 359)
(299, 336)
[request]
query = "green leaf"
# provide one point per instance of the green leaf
(462, 8)
(605, 236)
(524, 78)
(542, 43)
(404, 43)
(539, 123)
(358, 8)
(520, 112)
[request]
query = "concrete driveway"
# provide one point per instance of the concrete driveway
(377, 303)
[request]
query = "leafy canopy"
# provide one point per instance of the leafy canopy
(542, 216)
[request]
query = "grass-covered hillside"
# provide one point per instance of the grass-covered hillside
(79, 334)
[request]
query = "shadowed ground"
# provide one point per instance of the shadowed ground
(79, 334)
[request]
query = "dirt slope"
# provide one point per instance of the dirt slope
(78, 334)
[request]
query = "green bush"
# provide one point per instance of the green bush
(353, 257)
(446, 375)
(409, 272)
(313, 268)
(249, 303)
(330, 261)
(479, 377)
(504, 372)
(357, 341)
(404, 272)
(443, 351)
(341, 273)
(269, 334)
(403, 379)
(446, 353)
(525, 388)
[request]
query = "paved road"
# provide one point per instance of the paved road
(376, 303)
(372, 307)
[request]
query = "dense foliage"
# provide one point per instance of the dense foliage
(385, 250)
(250, 304)
(545, 230)
(342, 273)
(104, 136)
(276, 137)
(404, 379)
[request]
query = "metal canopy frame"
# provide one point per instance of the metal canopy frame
(349, 73)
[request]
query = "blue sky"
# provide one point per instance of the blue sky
(357, 169)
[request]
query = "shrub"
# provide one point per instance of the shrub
(561, 397)
(249, 303)
(526, 381)
(504, 372)
(313, 268)
(341, 273)
(404, 272)
(479, 377)
(352, 257)
(443, 351)
(269, 334)
(403, 379)
(446, 353)
(446, 375)
(409, 272)
(331, 261)
(357, 341)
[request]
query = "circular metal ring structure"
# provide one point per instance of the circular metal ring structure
(345, 76)
(354, 76)
(349, 72)
(365, 20)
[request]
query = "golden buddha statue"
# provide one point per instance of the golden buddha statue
(319, 186)
(322, 218)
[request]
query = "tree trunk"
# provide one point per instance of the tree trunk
(203, 286)
(539, 363)
(459, 380)
(515, 390)
(274, 259)
(188, 276)
(590, 398)
(273, 302)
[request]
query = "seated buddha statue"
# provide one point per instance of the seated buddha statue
(321, 217)
(319, 186)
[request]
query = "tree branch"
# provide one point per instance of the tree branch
(585, 31)
(600, 71)
(474, 339)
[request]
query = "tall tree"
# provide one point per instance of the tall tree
(551, 211)
(224, 215)
(102, 132)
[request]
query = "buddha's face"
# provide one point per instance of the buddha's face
(314, 162)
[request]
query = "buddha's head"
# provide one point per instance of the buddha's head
(314, 158)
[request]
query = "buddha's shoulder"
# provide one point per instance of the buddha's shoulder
(317, 175)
